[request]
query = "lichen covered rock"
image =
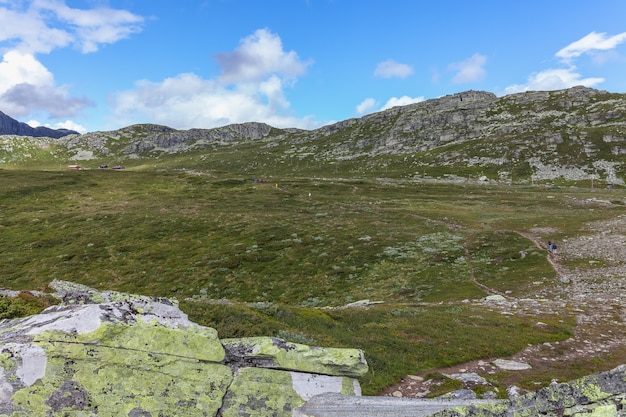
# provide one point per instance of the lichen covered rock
(114, 354)
(268, 392)
(599, 395)
(270, 352)
(135, 356)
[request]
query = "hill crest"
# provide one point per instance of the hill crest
(574, 134)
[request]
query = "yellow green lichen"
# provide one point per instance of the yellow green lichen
(295, 356)
(608, 410)
(589, 388)
(119, 368)
(349, 387)
(189, 342)
(262, 393)
(476, 410)
(6, 361)
(116, 381)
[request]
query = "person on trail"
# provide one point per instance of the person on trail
(550, 246)
(554, 248)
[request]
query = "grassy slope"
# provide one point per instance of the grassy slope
(203, 237)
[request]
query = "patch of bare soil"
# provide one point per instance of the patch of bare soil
(594, 292)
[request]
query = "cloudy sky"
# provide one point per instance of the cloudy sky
(104, 64)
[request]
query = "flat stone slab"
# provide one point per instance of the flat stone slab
(508, 365)
(337, 405)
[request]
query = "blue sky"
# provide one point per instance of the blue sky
(101, 65)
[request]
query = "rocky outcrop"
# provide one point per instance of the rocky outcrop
(472, 115)
(113, 354)
(601, 395)
(150, 139)
(10, 126)
(575, 134)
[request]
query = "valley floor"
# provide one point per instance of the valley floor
(596, 295)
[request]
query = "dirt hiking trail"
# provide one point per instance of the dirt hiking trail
(595, 293)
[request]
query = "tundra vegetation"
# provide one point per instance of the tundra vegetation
(427, 209)
(251, 258)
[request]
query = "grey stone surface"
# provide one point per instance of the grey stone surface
(509, 365)
(336, 405)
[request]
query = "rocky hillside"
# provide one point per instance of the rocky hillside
(10, 126)
(574, 134)
(571, 133)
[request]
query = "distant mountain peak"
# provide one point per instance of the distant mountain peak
(10, 126)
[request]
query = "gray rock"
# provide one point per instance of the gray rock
(460, 394)
(336, 405)
(495, 297)
(470, 378)
(508, 365)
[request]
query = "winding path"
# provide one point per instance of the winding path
(595, 296)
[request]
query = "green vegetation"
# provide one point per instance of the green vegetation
(279, 256)
(398, 339)
(24, 304)
(176, 234)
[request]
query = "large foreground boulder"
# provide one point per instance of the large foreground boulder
(113, 354)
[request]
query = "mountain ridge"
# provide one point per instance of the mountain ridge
(10, 126)
(573, 133)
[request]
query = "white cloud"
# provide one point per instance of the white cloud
(553, 79)
(102, 25)
(68, 124)
(26, 85)
(366, 106)
(39, 26)
(251, 87)
(391, 68)
(257, 56)
(370, 105)
(27, 31)
(592, 42)
(32, 27)
(560, 78)
(17, 68)
(401, 101)
(470, 70)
